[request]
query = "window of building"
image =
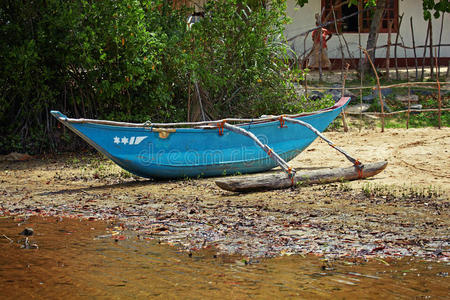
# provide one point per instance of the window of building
(350, 25)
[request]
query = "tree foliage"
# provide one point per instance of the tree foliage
(90, 59)
(441, 6)
(239, 58)
(134, 61)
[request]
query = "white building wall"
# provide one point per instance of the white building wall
(303, 19)
(413, 8)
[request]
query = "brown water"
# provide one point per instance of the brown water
(72, 263)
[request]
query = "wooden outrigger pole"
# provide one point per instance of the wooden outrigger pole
(243, 184)
(279, 181)
(272, 154)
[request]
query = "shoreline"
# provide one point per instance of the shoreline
(403, 211)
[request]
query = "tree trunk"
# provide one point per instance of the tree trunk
(373, 34)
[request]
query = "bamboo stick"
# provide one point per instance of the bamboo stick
(361, 74)
(340, 42)
(409, 87)
(305, 58)
(408, 47)
(200, 101)
(409, 108)
(348, 50)
(388, 51)
(439, 49)
(431, 48)
(395, 49)
(189, 102)
(439, 94)
(272, 154)
(321, 46)
(379, 88)
(404, 84)
(306, 86)
(319, 134)
(424, 53)
(414, 47)
(344, 120)
(396, 44)
(401, 111)
(426, 85)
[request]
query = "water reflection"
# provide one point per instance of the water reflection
(71, 262)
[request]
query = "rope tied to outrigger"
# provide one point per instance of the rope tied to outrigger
(280, 161)
(220, 126)
(272, 154)
(291, 174)
(281, 121)
(358, 165)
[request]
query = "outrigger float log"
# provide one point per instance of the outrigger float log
(243, 184)
(208, 148)
(293, 179)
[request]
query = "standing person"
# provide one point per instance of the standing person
(315, 54)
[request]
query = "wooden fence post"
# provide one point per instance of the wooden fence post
(440, 41)
(379, 88)
(414, 48)
(388, 51)
(395, 47)
(340, 42)
(439, 94)
(425, 52)
(431, 48)
(344, 120)
(409, 86)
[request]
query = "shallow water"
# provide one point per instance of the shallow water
(78, 259)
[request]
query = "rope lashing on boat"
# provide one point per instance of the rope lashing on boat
(220, 126)
(281, 121)
(291, 175)
(359, 166)
(272, 154)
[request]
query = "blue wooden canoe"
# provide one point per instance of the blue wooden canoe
(154, 152)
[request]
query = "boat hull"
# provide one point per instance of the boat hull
(193, 152)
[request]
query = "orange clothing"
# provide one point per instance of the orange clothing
(317, 58)
(316, 38)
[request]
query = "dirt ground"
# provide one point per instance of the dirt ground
(335, 75)
(417, 158)
(403, 211)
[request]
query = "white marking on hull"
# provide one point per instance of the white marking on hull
(134, 140)
(139, 139)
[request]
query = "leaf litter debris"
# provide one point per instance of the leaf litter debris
(329, 221)
(335, 220)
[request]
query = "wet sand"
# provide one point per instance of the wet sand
(78, 259)
(404, 211)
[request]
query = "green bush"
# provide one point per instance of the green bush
(104, 59)
(239, 58)
(135, 61)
